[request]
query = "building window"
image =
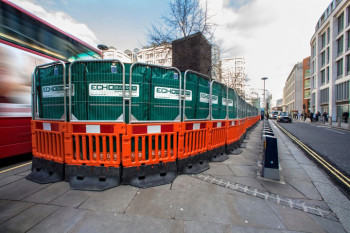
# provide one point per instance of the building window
(323, 77)
(328, 35)
(325, 95)
(323, 40)
(347, 64)
(347, 40)
(339, 68)
(340, 23)
(313, 99)
(327, 75)
(342, 91)
(348, 14)
(323, 58)
(327, 55)
(340, 45)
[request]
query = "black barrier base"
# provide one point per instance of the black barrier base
(217, 154)
(92, 178)
(231, 148)
(45, 171)
(150, 175)
(193, 164)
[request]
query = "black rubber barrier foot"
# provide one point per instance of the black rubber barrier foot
(150, 175)
(193, 165)
(232, 148)
(217, 154)
(45, 171)
(92, 178)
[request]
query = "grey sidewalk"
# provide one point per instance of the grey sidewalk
(343, 125)
(229, 197)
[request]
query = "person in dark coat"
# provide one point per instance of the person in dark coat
(346, 117)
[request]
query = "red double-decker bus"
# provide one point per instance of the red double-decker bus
(25, 42)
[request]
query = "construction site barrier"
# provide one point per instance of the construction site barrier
(93, 155)
(149, 154)
(193, 147)
(111, 123)
(48, 151)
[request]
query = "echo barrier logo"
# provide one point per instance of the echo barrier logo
(170, 93)
(112, 90)
(54, 91)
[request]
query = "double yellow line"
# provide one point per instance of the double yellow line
(341, 177)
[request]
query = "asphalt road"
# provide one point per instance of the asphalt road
(330, 143)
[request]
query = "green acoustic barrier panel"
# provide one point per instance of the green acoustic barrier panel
(159, 93)
(98, 88)
(219, 101)
(198, 87)
(50, 92)
(232, 110)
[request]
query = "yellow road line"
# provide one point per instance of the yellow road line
(345, 180)
(22, 165)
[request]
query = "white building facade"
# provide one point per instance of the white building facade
(113, 53)
(330, 61)
(233, 72)
(157, 55)
(293, 90)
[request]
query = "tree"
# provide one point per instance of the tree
(184, 17)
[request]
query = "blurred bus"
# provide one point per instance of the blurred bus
(25, 42)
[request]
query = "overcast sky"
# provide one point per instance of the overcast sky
(272, 35)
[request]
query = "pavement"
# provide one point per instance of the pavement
(229, 197)
(335, 125)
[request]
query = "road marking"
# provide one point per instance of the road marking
(341, 177)
(22, 165)
(334, 130)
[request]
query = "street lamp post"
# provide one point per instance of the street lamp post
(264, 78)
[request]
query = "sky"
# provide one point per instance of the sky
(272, 35)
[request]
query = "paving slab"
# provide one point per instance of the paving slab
(218, 169)
(48, 193)
(238, 170)
(240, 160)
(20, 189)
(256, 213)
(114, 200)
(155, 203)
(206, 227)
(296, 220)
(72, 198)
(62, 220)
(328, 225)
(285, 190)
(9, 180)
(28, 218)
(205, 207)
(9, 209)
(305, 187)
(295, 173)
(107, 222)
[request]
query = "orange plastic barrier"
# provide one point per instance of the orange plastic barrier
(47, 140)
(146, 144)
(94, 144)
(232, 131)
(48, 151)
(217, 141)
(193, 139)
(193, 146)
(150, 153)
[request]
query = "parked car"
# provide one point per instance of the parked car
(273, 115)
(284, 117)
